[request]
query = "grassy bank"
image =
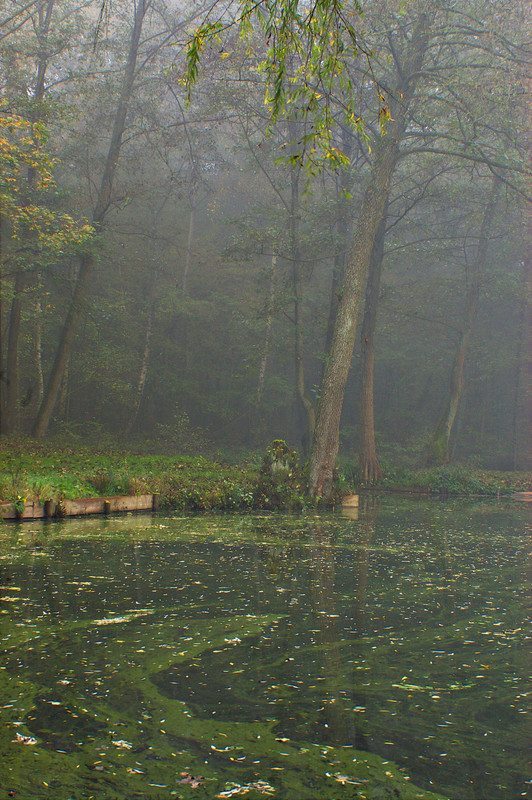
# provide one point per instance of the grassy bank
(33, 471)
(452, 480)
(183, 482)
(42, 472)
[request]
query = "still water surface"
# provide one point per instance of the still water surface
(293, 657)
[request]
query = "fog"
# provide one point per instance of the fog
(235, 249)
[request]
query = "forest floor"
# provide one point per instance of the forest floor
(43, 471)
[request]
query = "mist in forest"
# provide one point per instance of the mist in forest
(184, 271)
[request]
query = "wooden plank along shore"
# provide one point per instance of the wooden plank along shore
(51, 509)
(525, 497)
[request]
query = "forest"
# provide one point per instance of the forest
(264, 358)
(217, 233)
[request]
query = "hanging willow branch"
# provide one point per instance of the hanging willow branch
(305, 51)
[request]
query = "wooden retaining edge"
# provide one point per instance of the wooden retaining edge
(526, 497)
(51, 509)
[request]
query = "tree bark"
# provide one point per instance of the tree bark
(521, 451)
(370, 468)
(103, 201)
(439, 448)
(64, 394)
(327, 429)
(267, 333)
(304, 403)
(12, 371)
(37, 355)
(190, 245)
(186, 272)
(327, 432)
(342, 234)
(64, 349)
(143, 371)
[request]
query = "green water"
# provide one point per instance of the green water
(295, 657)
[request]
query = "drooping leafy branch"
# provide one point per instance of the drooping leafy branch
(302, 51)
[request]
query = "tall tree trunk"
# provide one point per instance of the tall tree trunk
(190, 245)
(189, 252)
(343, 226)
(103, 201)
(64, 349)
(370, 468)
(327, 430)
(267, 333)
(143, 371)
(521, 452)
(11, 398)
(63, 402)
(37, 355)
(304, 403)
(439, 449)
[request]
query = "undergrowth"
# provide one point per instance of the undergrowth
(454, 479)
(42, 471)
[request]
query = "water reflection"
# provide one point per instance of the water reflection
(397, 633)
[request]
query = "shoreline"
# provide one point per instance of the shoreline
(56, 481)
(48, 511)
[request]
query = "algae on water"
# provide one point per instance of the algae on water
(312, 655)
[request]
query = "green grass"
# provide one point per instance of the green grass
(44, 471)
(455, 479)
(41, 471)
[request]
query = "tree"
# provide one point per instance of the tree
(439, 451)
(101, 207)
(33, 234)
(370, 468)
(327, 431)
(302, 53)
(407, 35)
(28, 56)
(221, 257)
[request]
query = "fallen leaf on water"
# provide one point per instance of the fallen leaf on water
(122, 744)
(21, 739)
(190, 780)
(344, 780)
(236, 790)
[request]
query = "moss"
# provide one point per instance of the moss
(162, 739)
(122, 672)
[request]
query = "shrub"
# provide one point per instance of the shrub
(281, 481)
(108, 482)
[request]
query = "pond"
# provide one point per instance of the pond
(313, 657)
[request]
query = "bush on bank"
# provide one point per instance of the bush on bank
(450, 480)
